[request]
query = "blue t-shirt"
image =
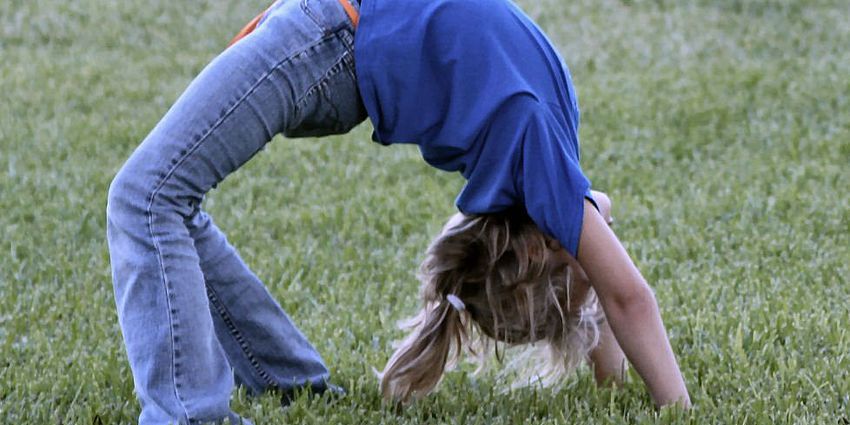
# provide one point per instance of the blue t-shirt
(480, 89)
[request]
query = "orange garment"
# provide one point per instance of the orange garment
(351, 12)
(247, 29)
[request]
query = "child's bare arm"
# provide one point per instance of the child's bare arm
(607, 358)
(604, 204)
(631, 309)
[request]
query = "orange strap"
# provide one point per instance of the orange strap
(247, 29)
(351, 12)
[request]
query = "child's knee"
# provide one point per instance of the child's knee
(120, 195)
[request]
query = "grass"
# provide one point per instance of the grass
(720, 128)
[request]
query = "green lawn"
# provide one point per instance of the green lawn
(720, 128)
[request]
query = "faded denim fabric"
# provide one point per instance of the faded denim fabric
(192, 314)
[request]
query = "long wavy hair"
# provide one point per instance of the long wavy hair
(491, 279)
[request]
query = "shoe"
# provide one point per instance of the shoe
(334, 391)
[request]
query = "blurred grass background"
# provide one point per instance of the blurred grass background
(720, 128)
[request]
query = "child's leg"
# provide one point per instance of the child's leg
(276, 80)
(261, 344)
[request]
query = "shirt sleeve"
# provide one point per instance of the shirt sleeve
(552, 184)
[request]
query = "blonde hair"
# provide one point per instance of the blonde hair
(488, 279)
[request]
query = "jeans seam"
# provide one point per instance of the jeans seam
(333, 70)
(309, 12)
(348, 61)
(164, 177)
(171, 311)
(221, 309)
(299, 102)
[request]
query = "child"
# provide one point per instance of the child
(496, 277)
(480, 90)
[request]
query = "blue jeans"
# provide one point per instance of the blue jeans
(192, 314)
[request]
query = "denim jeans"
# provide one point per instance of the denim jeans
(192, 314)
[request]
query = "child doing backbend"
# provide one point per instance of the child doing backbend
(480, 90)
